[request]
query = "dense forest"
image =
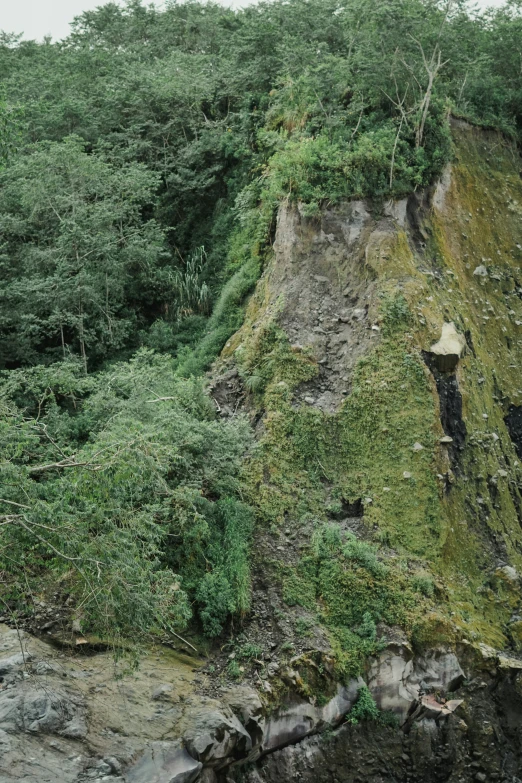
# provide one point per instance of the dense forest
(143, 159)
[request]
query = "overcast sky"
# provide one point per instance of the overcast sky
(36, 18)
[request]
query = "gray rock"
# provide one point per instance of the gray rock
(214, 737)
(17, 661)
(43, 710)
(43, 667)
(114, 764)
(162, 692)
(395, 678)
(294, 722)
(165, 762)
(247, 707)
(480, 271)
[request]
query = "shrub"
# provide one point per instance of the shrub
(364, 709)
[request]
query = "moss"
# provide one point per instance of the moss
(440, 546)
(515, 631)
(479, 225)
(433, 629)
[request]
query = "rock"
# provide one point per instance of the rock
(418, 447)
(448, 350)
(42, 667)
(247, 707)
(294, 722)
(165, 762)
(208, 776)
(214, 735)
(43, 710)
(446, 440)
(113, 764)
(163, 692)
(480, 271)
(508, 572)
(8, 665)
(406, 474)
(430, 708)
(395, 677)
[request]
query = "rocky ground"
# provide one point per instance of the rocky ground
(74, 718)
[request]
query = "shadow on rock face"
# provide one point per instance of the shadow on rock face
(514, 424)
(450, 405)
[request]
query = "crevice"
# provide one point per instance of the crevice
(450, 405)
(513, 422)
(353, 510)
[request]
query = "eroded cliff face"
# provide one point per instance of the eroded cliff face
(368, 425)
(360, 422)
(379, 363)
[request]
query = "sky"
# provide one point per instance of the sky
(37, 18)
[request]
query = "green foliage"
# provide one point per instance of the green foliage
(215, 597)
(181, 129)
(318, 168)
(395, 313)
(75, 253)
(9, 131)
(303, 626)
(226, 318)
(351, 589)
(125, 484)
(424, 584)
(249, 650)
(269, 361)
(364, 709)
(234, 670)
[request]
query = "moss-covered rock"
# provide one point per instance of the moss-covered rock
(335, 359)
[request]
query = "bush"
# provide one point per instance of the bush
(216, 601)
(364, 709)
(127, 486)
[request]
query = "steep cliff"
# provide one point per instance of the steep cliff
(357, 424)
(387, 474)
(379, 365)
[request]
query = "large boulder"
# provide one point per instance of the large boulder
(247, 707)
(214, 736)
(165, 762)
(296, 721)
(448, 350)
(397, 680)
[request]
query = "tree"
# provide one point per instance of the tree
(78, 261)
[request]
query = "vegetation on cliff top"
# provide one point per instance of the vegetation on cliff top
(143, 159)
